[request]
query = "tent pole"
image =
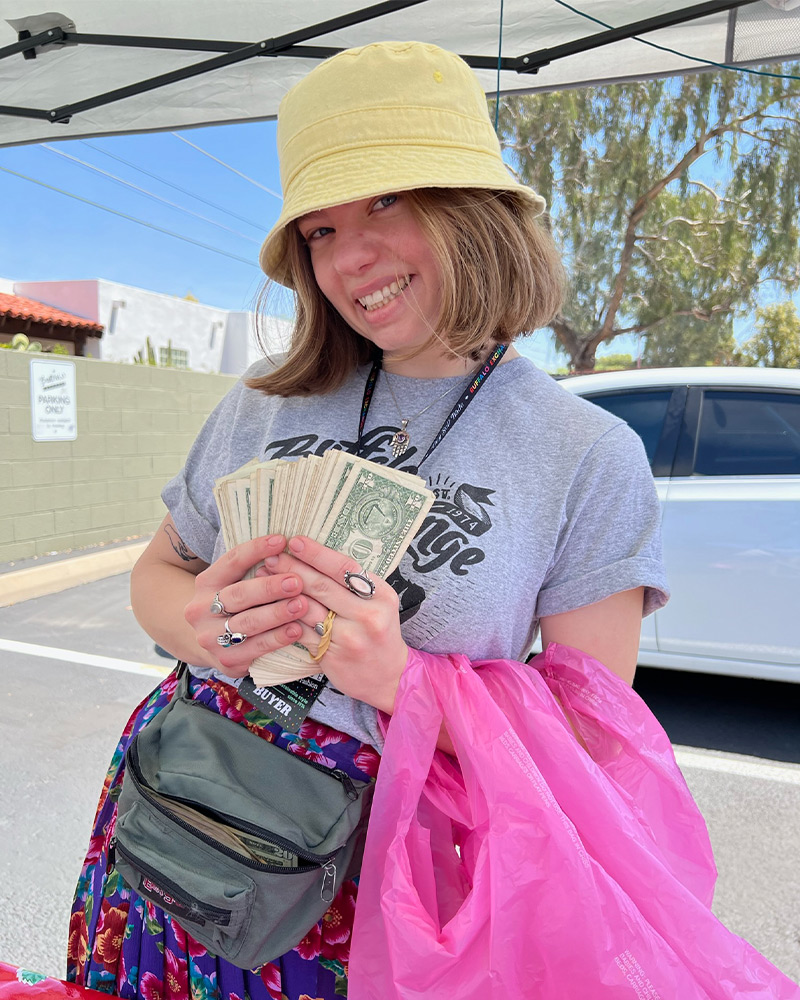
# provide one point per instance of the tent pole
(532, 62)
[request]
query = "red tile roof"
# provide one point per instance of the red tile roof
(21, 308)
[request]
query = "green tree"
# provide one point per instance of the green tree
(685, 340)
(776, 342)
(653, 238)
(616, 362)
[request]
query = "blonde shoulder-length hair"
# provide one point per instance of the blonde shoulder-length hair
(501, 277)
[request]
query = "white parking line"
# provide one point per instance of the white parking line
(743, 767)
(89, 659)
(687, 757)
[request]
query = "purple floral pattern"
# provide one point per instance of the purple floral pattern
(122, 944)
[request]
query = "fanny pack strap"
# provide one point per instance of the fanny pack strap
(182, 687)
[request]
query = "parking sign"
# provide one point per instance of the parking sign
(54, 412)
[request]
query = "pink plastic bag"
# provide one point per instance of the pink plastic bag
(533, 870)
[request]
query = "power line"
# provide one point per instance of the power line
(499, 64)
(676, 52)
(228, 166)
(149, 194)
(130, 218)
(177, 187)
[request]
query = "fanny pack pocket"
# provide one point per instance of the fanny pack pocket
(219, 907)
(244, 843)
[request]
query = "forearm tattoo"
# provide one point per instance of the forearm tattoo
(178, 544)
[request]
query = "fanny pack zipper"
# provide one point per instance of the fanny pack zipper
(319, 860)
(342, 776)
(210, 912)
(326, 892)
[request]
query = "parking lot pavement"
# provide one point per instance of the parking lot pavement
(757, 718)
(62, 714)
(60, 724)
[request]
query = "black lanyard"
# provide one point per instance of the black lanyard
(463, 401)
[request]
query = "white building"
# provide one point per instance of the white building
(188, 334)
(241, 343)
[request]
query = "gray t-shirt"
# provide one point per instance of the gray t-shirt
(545, 503)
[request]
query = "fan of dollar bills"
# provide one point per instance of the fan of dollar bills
(365, 510)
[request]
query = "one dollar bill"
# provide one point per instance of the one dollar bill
(360, 508)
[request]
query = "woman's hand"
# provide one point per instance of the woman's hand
(267, 609)
(367, 654)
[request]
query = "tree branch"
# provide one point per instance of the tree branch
(705, 315)
(720, 199)
(566, 334)
(780, 118)
(640, 208)
(698, 263)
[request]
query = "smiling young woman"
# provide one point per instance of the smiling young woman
(416, 261)
(496, 235)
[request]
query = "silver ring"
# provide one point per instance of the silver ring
(217, 607)
(365, 588)
(229, 638)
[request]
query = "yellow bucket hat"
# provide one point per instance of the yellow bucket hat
(391, 116)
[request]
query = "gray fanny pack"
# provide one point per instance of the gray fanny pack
(244, 843)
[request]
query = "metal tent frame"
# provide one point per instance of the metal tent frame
(291, 44)
(194, 69)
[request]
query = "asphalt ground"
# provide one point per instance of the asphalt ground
(75, 664)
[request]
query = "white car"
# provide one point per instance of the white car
(724, 447)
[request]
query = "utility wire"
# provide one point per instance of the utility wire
(131, 218)
(676, 52)
(227, 166)
(149, 194)
(499, 63)
(177, 187)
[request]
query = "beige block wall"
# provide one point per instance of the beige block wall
(135, 426)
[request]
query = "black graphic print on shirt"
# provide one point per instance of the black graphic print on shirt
(450, 534)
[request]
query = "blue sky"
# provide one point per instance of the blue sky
(49, 236)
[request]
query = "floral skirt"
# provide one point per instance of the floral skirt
(122, 944)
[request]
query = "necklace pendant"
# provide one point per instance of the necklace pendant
(400, 440)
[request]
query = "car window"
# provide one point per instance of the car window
(745, 433)
(644, 410)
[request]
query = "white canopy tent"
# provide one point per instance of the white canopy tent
(99, 67)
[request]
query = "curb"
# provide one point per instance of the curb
(52, 578)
